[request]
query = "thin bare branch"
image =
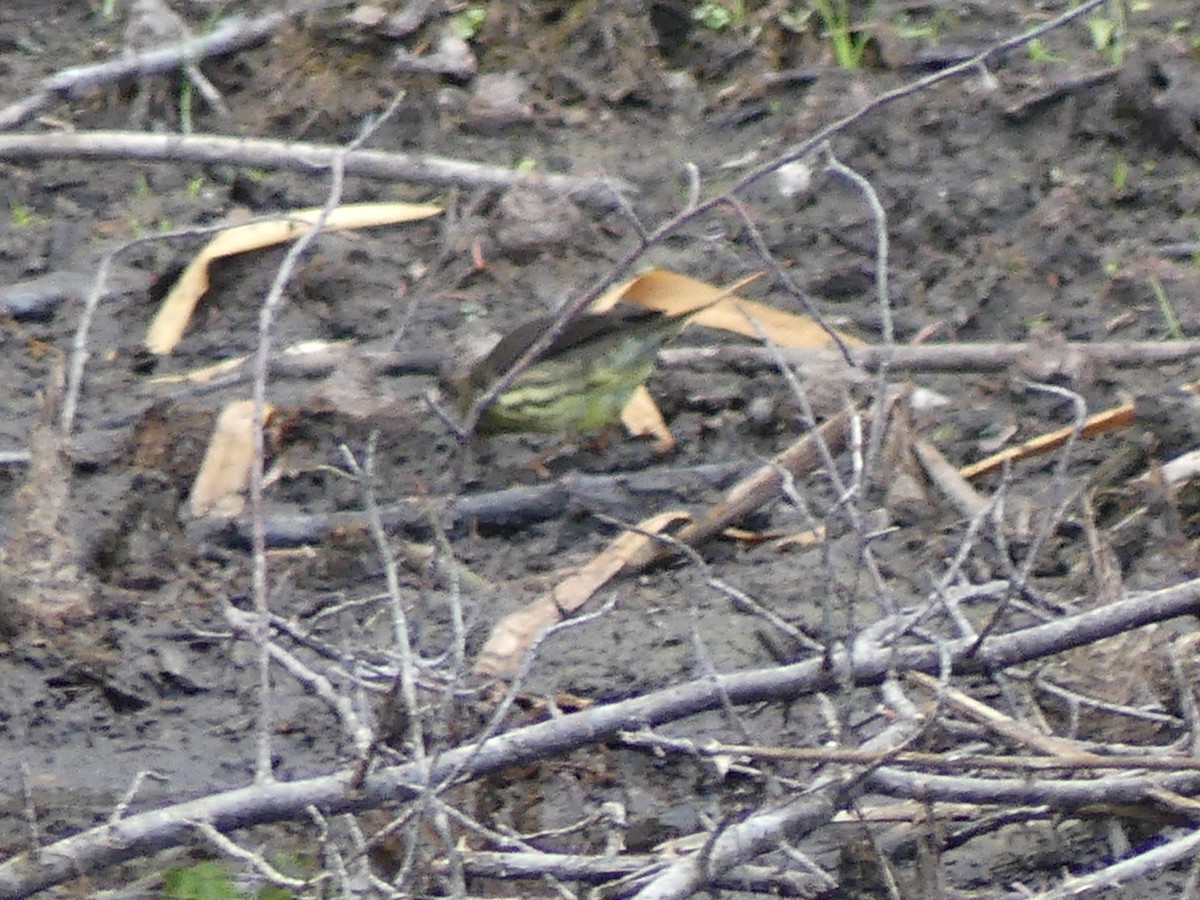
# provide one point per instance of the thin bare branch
(296, 156)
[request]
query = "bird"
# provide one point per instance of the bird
(581, 382)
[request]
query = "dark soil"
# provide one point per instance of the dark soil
(1049, 199)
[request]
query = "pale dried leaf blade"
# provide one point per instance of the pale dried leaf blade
(612, 296)
(642, 418)
(575, 590)
(750, 537)
(782, 328)
(667, 291)
(220, 485)
(202, 375)
(673, 292)
(167, 327)
(513, 635)
(173, 314)
(801, 539)
(1102, 422)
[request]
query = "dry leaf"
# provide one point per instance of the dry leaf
(802, 539)
(1108, 420)
(224, 475)
(203, 375)
(172, 317)
(642, 418)
(513, 635)
(675, 293)
(751, 538)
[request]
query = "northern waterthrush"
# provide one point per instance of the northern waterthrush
(581, 382)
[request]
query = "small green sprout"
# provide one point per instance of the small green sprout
(1174, 331)
(1108, 32)
(466, 24)
(1035, 321)
(795, 20)
(20, 215)
(1039, 52)
(206, 880)
(1120, 174)
(718, 16)
(911, 32)
(848, 45)
(187, 94)
(1105, 38)
(929, 26)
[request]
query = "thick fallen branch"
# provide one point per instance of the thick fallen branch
(600, 869)
(753, 491)
(759, 834)
(868, 663)
(964, 357)
(510, 508)
(297, 156)
(228, 36)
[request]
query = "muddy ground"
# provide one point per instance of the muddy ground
(1054, 197)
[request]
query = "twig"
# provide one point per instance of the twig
(759, 834)
(234, 34)
(407, 677)
(931, 358)
(755, 490)
(357, 731)
(767, 828)
(882, 298)
(297, 156)
(1107, 420)
(1064, 793)
(270, 308)
(1058, 501)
